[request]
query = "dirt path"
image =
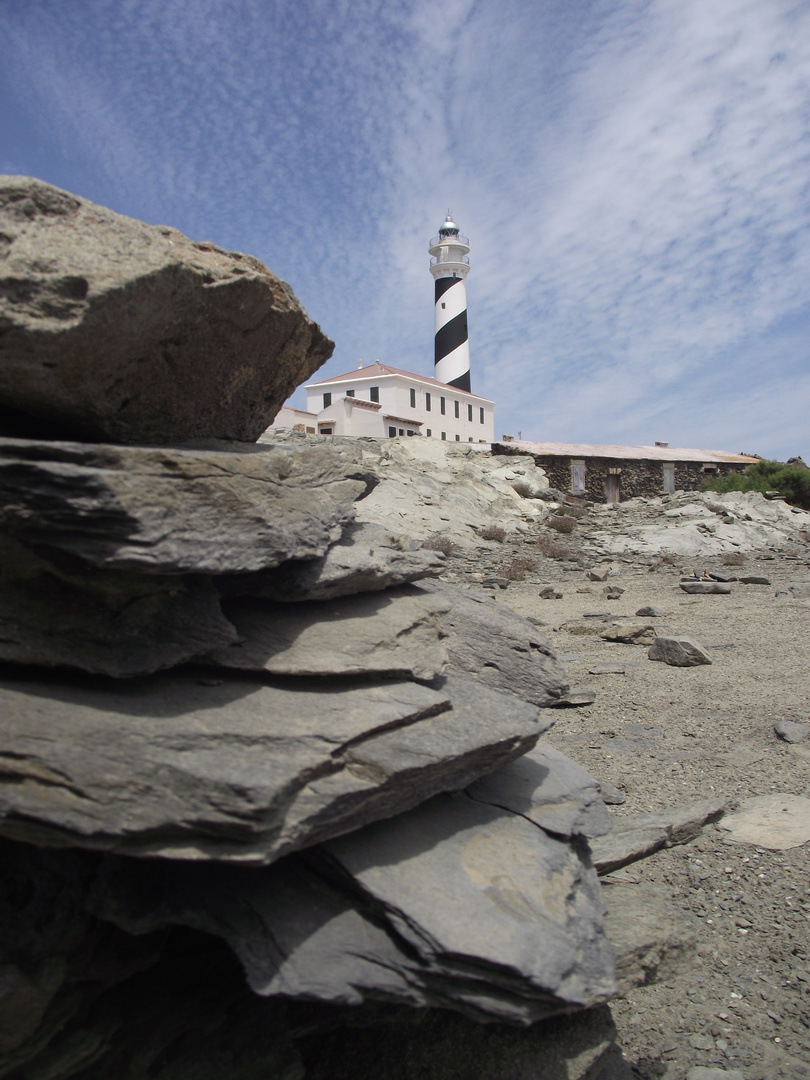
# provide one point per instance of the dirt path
(666, 736)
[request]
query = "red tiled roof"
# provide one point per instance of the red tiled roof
(378, 370)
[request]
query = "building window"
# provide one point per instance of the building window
(428, 432)
(469, 413)
(350, 393)
(374, 393)
(444, 434)
(455, 403)
(442, 404)
(409, 432)
(413, 398)
(325, 431)
(391, 432)
(427, 401)
(402, 431)
(327, 400)
(481, 415)
(469, 439)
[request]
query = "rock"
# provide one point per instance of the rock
(613, 592)
(396, 633)
(608, 669)
(650, 611)
(108, 622)
(754, 579)
(116, 330)
(791, 732)
(549, 789)
(705, 1072)
(631, 633)
(799, 590)
(186, 766)
(454, 905)
(494, 581)
(497, 647)
(548, 592)
(777, 822)
(702, 588)
(366, 558)
(611, 795)
(721, 575)
(678, 652)
(653, 939)
(175, 511)
(575, 697)
(638, 836)
(599, 574)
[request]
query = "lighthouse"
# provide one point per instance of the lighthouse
(449, 265)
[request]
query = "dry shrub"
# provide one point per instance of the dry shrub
(552, 548)
(733, 558)
(518, 568)
(562, 523)
(493, 532)
(444, 544)
(524, 490)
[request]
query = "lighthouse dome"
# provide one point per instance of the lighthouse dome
(449, 227)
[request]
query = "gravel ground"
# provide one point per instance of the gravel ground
(667, 736)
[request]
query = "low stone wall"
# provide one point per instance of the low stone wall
(636, 477)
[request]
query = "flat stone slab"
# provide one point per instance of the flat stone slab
(650, 611)
(630, 633)
(755, 579)
(176, 511)
(702, 588)
(204, 764)
(575, 697)
(395, 633)
(366, 558)
(678, 652)
(118, 330)
(777, 822)
(633, 838)
(498, 647)
(549, 789)
(608, 669)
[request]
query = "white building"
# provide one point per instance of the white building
(383, 401)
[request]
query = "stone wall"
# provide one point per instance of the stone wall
(636, 477)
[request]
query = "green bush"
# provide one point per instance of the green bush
(792, 481)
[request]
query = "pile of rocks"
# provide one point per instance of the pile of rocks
(226, 702)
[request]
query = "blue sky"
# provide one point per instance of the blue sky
(634, 177)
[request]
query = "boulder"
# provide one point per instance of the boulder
(206, 764)
(163, 511)
(120, 331)
(791, 732)
(498, 647)
(678, 652)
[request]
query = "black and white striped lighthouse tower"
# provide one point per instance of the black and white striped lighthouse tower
(450, 264)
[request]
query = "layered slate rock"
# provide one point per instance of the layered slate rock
(454, 904)
(203, 764)
(175, 511)
(549, 789)
(498, 647)
(108, 622)
(121, 331)
(366, 558)
(395, 633)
